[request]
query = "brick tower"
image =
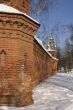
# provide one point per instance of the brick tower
(22, 5)
(17, 32)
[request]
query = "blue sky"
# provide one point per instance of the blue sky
(56, 20)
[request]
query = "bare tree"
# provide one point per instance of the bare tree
(39, 6)
(40, 9)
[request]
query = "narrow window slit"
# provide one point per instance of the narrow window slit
(2, 58)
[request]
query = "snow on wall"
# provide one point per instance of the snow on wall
(41, 44)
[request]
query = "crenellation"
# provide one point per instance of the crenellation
(17, 25)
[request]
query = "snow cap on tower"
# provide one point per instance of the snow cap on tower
(21, 5)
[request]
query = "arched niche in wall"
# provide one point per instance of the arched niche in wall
(2, 58)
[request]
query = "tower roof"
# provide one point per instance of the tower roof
(21, 5)
(8, 9)
(51, 45)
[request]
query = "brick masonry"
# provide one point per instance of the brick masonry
(23, 63)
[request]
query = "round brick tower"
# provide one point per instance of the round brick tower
(17, 32)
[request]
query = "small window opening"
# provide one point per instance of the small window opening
(2, 58)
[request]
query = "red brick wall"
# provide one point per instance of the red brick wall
(26, 63)
(44, 65)
(16, 40)
(22, 5)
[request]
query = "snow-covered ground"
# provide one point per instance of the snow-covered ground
(55, 93)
